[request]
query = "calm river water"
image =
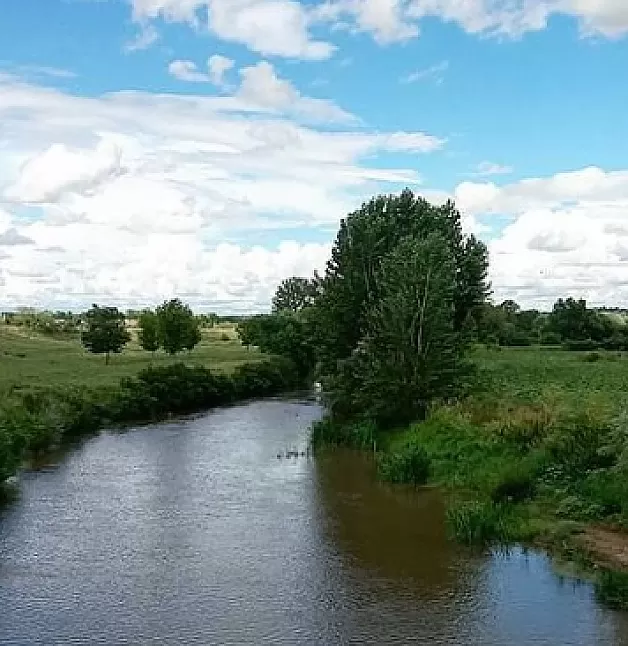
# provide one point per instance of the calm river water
(194, 532)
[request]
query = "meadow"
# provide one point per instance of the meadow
(29, 359)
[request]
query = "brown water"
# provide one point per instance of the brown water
(194, 532)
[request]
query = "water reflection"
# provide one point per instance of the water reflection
(194, 532)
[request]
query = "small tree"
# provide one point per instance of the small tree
(295, 293)
(105, 332)
(149, 331)
(177, 327)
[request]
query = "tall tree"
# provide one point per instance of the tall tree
(149, 331)
(105, 332)
(295, 293)
(365, 237)
(410, 353)
(176, 322)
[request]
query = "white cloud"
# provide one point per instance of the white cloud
(218, 66)
(284, 27)
(187, 71)
(260, 86)
(146, 37)
(434, 72)
(60, 169)
(133, 197)
(565, 235)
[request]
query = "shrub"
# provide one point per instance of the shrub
(580, 346)
(592, 357)
(358, 435)
(482, 523)
(515, 485)
(611, 589)
(409, 464)
(225, 337)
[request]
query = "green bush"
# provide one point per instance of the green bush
(515, 485)
(592, 357)
(408, 464)
(611, 589)
(482, 523)
(357, 435)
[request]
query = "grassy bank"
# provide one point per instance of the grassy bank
(538, 453)
(54, 392)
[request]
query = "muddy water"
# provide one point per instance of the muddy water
(194, 532)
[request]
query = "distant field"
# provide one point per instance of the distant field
(571, 377)
(30, 359)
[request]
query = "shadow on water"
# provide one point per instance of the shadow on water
(193, 531)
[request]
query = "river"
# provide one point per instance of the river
(195, 532)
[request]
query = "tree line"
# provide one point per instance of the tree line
(172, 327)
(570, 323)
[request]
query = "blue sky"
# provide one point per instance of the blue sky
(152, 147)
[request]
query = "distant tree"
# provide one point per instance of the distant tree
(294, 294)
(149, 331)
(178, 329)
(105, 332)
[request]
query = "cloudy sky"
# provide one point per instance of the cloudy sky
(208, 148)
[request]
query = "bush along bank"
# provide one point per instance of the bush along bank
(36, 422)
(516, 472)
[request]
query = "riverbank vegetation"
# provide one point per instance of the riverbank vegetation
(53, 389)
(518, 415)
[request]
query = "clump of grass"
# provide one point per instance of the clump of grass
(483, 523)
(515, 485)
(357, 435)
(408, 464)
(611, 589)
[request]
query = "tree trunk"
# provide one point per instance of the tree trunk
(106, 358)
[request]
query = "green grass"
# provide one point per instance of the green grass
(30, 359)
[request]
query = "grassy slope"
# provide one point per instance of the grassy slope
(30, 359)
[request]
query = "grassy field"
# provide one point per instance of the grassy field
(30, 359)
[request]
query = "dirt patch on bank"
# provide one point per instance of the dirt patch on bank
(606, 546)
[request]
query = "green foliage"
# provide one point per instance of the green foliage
(357, 434)
(407, 464)
(483, 523)
(294, 294)
(514, 485)
(149, 331)
(611, 589)
(178, 328)
(106, 331)
(351, 285)
(285, 334)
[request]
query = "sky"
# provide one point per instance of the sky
(207, 149)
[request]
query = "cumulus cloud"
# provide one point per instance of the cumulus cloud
(486, 168)
(58, 169)
(218, 66)
(187, 71)
(11, 237)
(133, 197)
(564, 235)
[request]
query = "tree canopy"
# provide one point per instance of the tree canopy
(105, 331)
(177, 326)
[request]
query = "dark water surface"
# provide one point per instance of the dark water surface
(195, 533)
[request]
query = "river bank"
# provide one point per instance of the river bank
(36, 421)
(537, 455)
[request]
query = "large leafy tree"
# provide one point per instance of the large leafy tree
(410, 353)
(349, 288)
(105, 332)
(293, 294)
(178, 329)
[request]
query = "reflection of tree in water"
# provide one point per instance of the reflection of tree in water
(396, 533)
